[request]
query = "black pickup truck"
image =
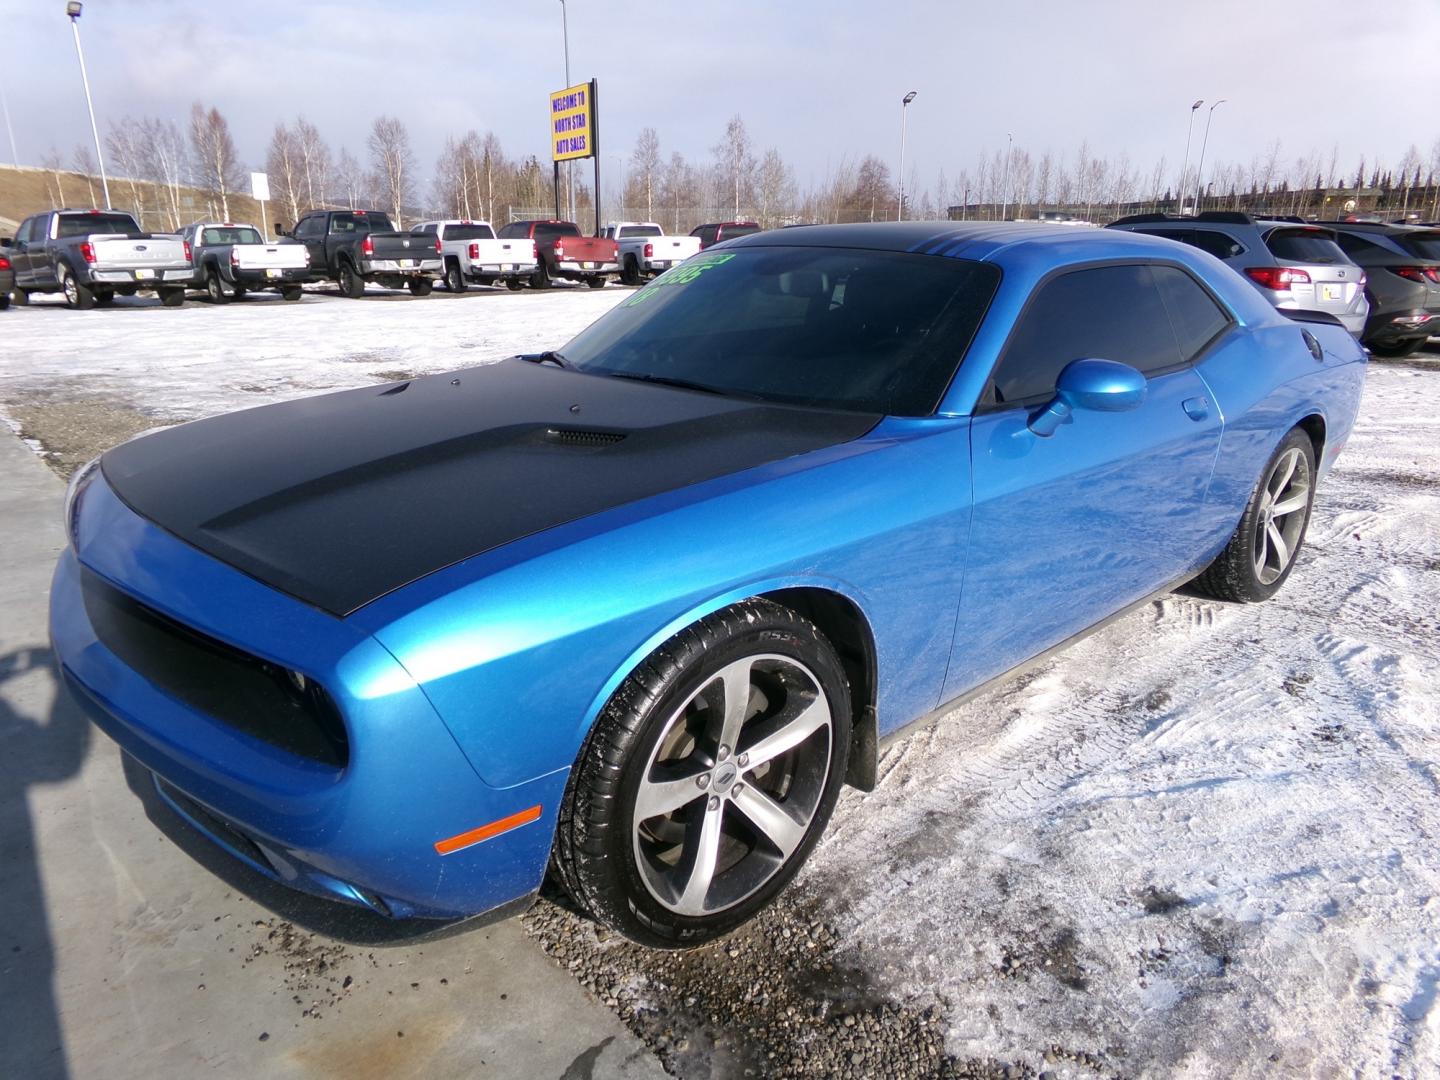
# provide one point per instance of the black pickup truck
(94, 255)
(354, 247)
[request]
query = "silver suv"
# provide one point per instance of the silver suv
(1296, 266)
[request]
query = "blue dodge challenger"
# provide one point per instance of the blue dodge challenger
(633, 611)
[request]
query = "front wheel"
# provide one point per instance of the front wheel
(420, 286)
(172, 297)
(1398, 350)
(707, 779)
(596, 282)
(291, 292)
(1262, 551)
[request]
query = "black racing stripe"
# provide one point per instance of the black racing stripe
(342, 498)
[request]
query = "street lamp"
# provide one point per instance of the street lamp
(5, 108)
(1186, 167)
(900, 210)
(569, 165)
(1005, 184)
(73, 9)
(1200, 169)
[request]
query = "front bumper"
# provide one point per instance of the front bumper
(400, 266)
(365, 832)
(145, 277)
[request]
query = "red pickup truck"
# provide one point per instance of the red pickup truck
(565, 253)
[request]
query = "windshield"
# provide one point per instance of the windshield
(640, 230)
(1422, 245)
(868, 331)
(231, 235)
(1314, 246)
(86, 224)
(469, 231)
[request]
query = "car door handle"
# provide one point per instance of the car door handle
(1197, 408)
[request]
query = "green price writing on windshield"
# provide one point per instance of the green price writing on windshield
(683, 274)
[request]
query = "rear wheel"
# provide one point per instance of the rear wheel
(596, 282)
(77, 295)
(513, 284)
(215, 288)
(351, 283)
(631, 275)
(172, 297)
(291, 292)
(540, 279)
(1262, 551)
(454, 279)
(420, 286)
(708, 778)
(1396, 350)
(20, 296)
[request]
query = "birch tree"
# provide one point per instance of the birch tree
(645, 167)
(217, 166)
(393, 165)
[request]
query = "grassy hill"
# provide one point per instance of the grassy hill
(25, 191)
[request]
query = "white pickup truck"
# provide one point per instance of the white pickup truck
(473, 254)
(645, 250)
(231, 260)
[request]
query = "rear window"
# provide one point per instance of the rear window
(360, 223)
(548, 230)
(1314, 246)
(230, 235)
(85, 224)
(729, 232)
(1421, 245)
(471, 231)
(640, 230)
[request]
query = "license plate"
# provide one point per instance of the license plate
(1332, 292)
(407, 262)
(141, 275)
(591, 266)
(273, 273)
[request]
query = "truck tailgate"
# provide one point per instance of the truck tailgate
(270, 256)
(585, 249)
(502, 252)
(675, 248)
(402, 246)
(122, 251)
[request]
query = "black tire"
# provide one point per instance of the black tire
(215, 288)
(77, 295)
(420, 286)
(104, 299)
(513, 284)
(540, 279)
(20, 296)
(631, 273)
(172, 297)
(454, 278)
(596, 282)
(1398, 350)
(597, 854)
(239, 292)
(351, 283)
(291, 292)
(1236, 574)
(4, 301)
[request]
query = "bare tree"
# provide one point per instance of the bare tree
(55, 166)
(217, 166)
(678, 185)
(164, 163)
(734, 165)
(349, 180)
(285, 166)
(315, 158)
(393, 164)
(125, 144)
(645, 167)
(774, 188)
(82, 161)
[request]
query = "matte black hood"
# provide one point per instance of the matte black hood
(341, 498)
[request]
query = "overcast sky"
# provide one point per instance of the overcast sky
(817, 80)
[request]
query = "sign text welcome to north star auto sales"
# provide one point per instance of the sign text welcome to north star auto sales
(572, 122)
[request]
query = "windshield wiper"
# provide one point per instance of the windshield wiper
(666, 380)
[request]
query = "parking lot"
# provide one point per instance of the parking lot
(1200, 841)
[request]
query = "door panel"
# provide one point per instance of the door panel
(1070, 529)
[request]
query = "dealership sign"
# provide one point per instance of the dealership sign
(572, 122)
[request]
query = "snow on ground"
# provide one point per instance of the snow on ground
(1201, 843)
(180, 364)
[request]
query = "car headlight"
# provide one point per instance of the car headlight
(79, 481)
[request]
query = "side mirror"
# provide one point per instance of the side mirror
(1098, 385)
(7, 241)
(280, 229)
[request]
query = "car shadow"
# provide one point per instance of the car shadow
(33, 752)
(347, 923)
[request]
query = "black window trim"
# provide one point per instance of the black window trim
(986, 402)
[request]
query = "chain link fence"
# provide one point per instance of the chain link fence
(672, 219)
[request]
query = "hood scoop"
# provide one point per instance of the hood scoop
(581, 437)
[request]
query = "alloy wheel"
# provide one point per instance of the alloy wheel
(733, 784)
(1281, 520)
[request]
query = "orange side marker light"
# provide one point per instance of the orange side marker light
(487, 832)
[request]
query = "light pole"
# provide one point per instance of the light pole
(1005, 183)
(1200, 169)
(73, 9)
(569, 165)
(1186, 167)
(900, 210)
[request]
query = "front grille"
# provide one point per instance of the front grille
(218, 827)
(232, 686)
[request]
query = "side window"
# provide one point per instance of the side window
(1196, 316)
(26, 230)
(1109, 313)
(342, 223)
(310, 226)
(1219, 244)
(512, 232)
